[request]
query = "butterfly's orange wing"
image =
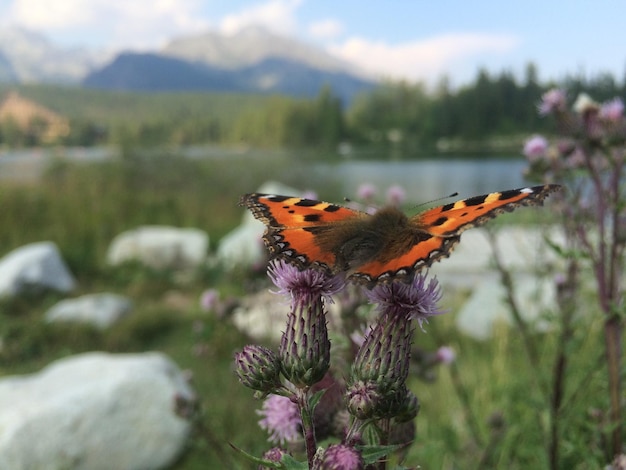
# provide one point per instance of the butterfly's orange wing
(454, 218)
(436, 232)
(291, 223)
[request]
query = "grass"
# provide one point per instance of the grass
(488, 410)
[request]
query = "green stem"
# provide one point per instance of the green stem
(308, 430)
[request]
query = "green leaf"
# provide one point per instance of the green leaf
(257, 460)
(287, 462)
(315, 399)
(372, 454)
(292, 464)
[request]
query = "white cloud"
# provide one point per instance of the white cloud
(128, 23)
(424, 59)
(326, 29)
(275, 15)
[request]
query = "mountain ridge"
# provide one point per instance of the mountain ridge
(253, 60)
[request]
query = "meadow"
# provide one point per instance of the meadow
(491, 408)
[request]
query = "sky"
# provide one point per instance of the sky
(413, 40)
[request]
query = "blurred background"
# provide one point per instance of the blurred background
(116, 116)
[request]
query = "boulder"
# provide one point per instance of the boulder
(34, 267)
(160, 247)
(263, 315)
(95, 411)
(99, 310)
(487, 307)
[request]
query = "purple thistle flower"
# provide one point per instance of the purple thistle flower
(415, 300)
(535, 148)
(302, 285)
(396, 195)
(275, 454)
(209, 299)
(552, 101)
(342, 457)
(445, 355)
(612, 110)
(281, 419)
(366, 191)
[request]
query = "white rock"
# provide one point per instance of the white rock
(263, 315)
(470, 266)
(35, 266)
(521, 249)
(243, 246)
(487, 306)
(99, 310)
(94, 411)
(160, 247)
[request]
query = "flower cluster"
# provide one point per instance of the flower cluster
(588, 156)
(305, 403)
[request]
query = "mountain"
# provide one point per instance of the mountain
(250, 46)
(30, 57)
(154, 72)
(253, 60)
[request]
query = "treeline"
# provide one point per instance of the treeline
(494, 108)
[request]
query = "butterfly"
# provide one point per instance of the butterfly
(380, 247)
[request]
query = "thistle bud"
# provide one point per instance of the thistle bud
(258, 368)
(305, 348)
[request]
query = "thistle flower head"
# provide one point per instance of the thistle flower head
(366, 191)
(535, 148)
(301, 285)
(342, 457)
(396, 195)
(552, 101)
(612, 110)
(416, 300)
(445, 355)
(275, 454)
(305, 348)
(281, 418)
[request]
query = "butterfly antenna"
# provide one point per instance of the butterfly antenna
(361, 206)
(427, 203)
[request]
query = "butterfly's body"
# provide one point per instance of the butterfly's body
(375, 248)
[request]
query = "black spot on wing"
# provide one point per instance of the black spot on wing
(475, 201)
(332, 208)
(312, 218)
(440, 221)
(279, 198)
(306, 203)
(511, 193)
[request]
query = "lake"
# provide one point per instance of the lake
(429, 179)
(423, 180)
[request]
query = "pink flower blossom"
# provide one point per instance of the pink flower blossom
(414, 300)
(446, 355)
(396, 195)
(342, 457)
(535, 148)
(612, 110)
(366, 191)
(209, 299)
(552, 101)
(281, 418)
